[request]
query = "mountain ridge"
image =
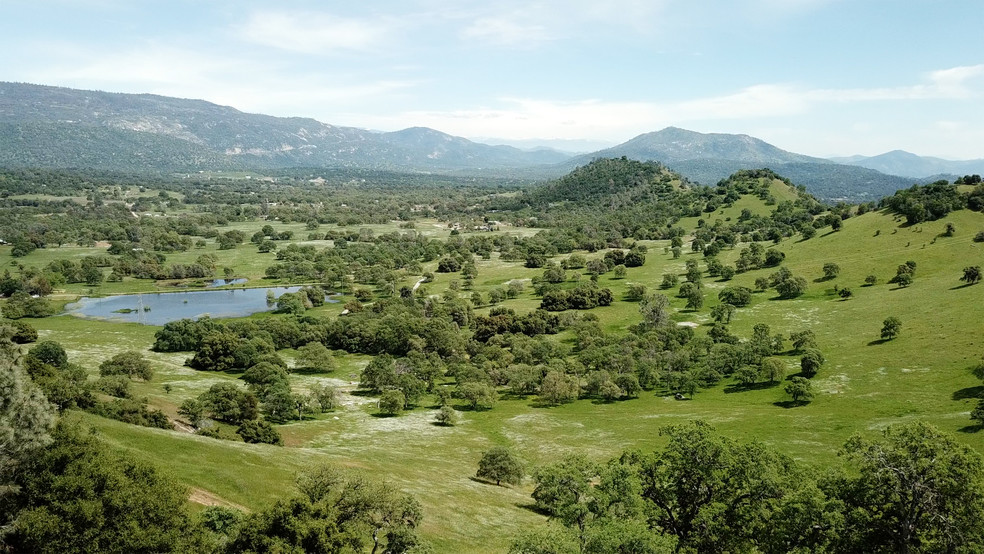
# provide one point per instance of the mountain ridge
(204, 135)
(56, 127)
(907, 164)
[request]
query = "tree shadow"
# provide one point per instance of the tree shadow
(963, 286)
(876, 342)
(382, 415)
(738, 387)
(970, 429)
(601, 401)
(787, 404)
(486, 482)
(969, 392)
(308, 371)
(532, 508)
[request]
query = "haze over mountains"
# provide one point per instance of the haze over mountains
(900, 162)
(53, 127)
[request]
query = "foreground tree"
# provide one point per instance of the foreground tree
(334, 512)
(711, 493)
(26, 416)
(499, 464)
(917, 490)
(76, 496)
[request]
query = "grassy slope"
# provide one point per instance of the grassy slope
(864, 386)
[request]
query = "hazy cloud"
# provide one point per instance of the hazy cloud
(314, 32)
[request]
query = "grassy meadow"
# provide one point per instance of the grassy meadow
(865, 385)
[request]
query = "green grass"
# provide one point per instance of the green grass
(864, 386)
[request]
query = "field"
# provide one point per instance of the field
(865, 385)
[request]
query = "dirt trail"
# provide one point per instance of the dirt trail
(205, 498)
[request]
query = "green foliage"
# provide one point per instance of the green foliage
(655, 309)
(47, 352)
(926, 203)
(229, 403)
(891, 328)
(737, 296)
(499, 464)
(446, 416)
(392, 402)
(333, 513)
(134, 412)
(256, 431)
(548, 539)
(131, 364)
(315, 356)
(916, 490)
(811, 361)
(480, 396)
(971, 275)
(76, 496)
(801, 389)
(558, 388)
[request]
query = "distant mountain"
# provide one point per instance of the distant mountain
(709, 158)
(53, 127)
(44, 126)
(900, 162)
(673, 145)
(417, 143)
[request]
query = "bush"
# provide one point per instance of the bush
(131, 364)
(499, 464)
(257, 431)
(392, 402)
(736, 296)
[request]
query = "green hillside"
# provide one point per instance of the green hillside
(865, 385)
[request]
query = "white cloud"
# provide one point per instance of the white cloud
(527, 24)
(953, 83)
(506, 32)
(248, 84)
(527, 118)
(314, 33)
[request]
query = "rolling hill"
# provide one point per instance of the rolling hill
(707, 158)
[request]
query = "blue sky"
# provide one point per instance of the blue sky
(819, 77)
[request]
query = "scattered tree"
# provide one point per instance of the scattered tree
(971, 275)
(891, 328)
(800, 389)
(811, 362)
(500, 465)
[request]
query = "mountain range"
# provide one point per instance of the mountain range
(54, 127)
(900, 162)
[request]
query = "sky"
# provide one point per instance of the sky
(818, 77)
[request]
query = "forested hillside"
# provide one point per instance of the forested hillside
(468, 365)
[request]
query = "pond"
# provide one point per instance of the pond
(224, 282)
(162, 307)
